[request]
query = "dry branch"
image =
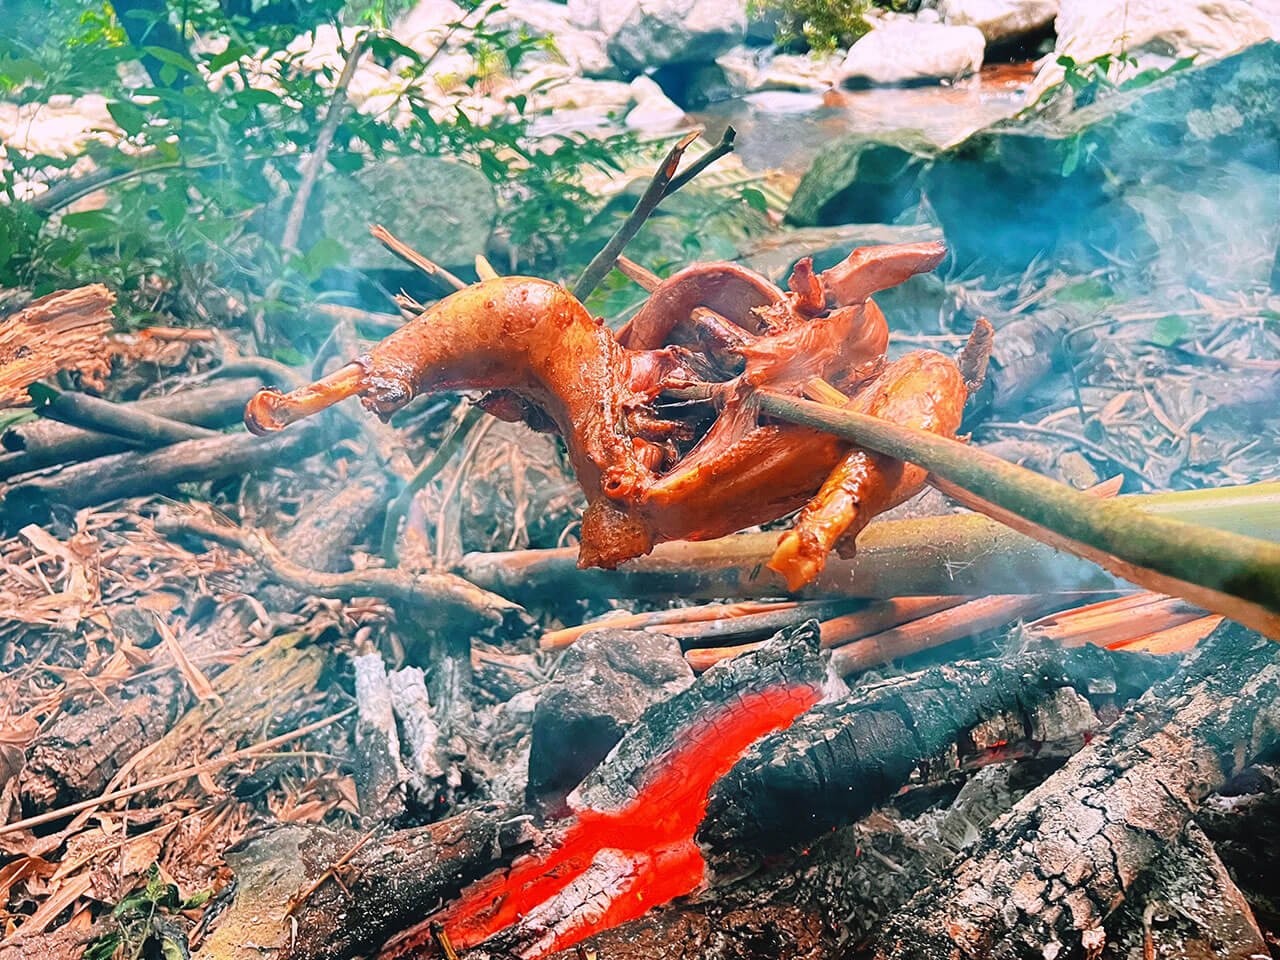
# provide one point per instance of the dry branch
(423, 592)
(146, 428)
(55, 332)
(603, 261)
(1052, 872)
(43, 443)
(135, 473)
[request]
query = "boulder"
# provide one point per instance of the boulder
(861, 179)
(654, 110)
(1145, 174)
(442, 208)
(750, 70)
(1156, 33)
(605, 681)
(1001, 21)
(654, 33)
(907, 51)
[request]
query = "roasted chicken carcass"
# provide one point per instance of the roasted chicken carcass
(653, 471)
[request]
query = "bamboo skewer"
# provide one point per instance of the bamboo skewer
(1227, 573)
(939, 628)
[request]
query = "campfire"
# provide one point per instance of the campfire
(723, 714)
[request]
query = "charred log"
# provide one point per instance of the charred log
(841, 760)
(1074, 850)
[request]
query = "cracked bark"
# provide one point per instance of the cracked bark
(839, 761)
(1052, 877)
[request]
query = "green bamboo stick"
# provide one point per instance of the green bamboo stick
(1229, 573)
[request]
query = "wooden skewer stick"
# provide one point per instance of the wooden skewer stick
(413, 257)
(484, 269)
(554, 639)
(1227, 573)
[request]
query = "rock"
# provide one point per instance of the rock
(582, 48)
(1144, 175)
(653, 109)
(1001, 21)
(692, 86)
(605, 681)
(654, 33)
(1156, 33)
(906, 51)
(444, 209)
(750, 70)
(861, 179)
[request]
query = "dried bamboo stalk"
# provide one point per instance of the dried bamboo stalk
(51, 334)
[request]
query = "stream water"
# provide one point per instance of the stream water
(782, 130)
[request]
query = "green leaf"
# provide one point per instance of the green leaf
(171, 58)
(196, 900)
(1169, 330)
(89, 220)
(755, 199)
(127, 116)
(228, 56)
(328, 252)
(173, 949)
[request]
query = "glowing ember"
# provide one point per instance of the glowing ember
(613, 866)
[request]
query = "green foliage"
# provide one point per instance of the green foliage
(144, 924)
(215, 140)
(823, 25)
(1091, 79)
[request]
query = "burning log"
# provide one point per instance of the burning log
(842, 759)
(674, 791)
(629, 842)
(1077, 847)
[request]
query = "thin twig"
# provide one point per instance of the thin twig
(603, 261)
(443, 453)
(413, 257)
(342, 861)
(311, 166)
(707, 159)
(183, 774)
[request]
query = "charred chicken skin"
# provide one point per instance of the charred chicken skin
(555, 366)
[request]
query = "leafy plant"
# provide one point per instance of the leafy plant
(822, 25)
(145, 924)
(213, 138)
